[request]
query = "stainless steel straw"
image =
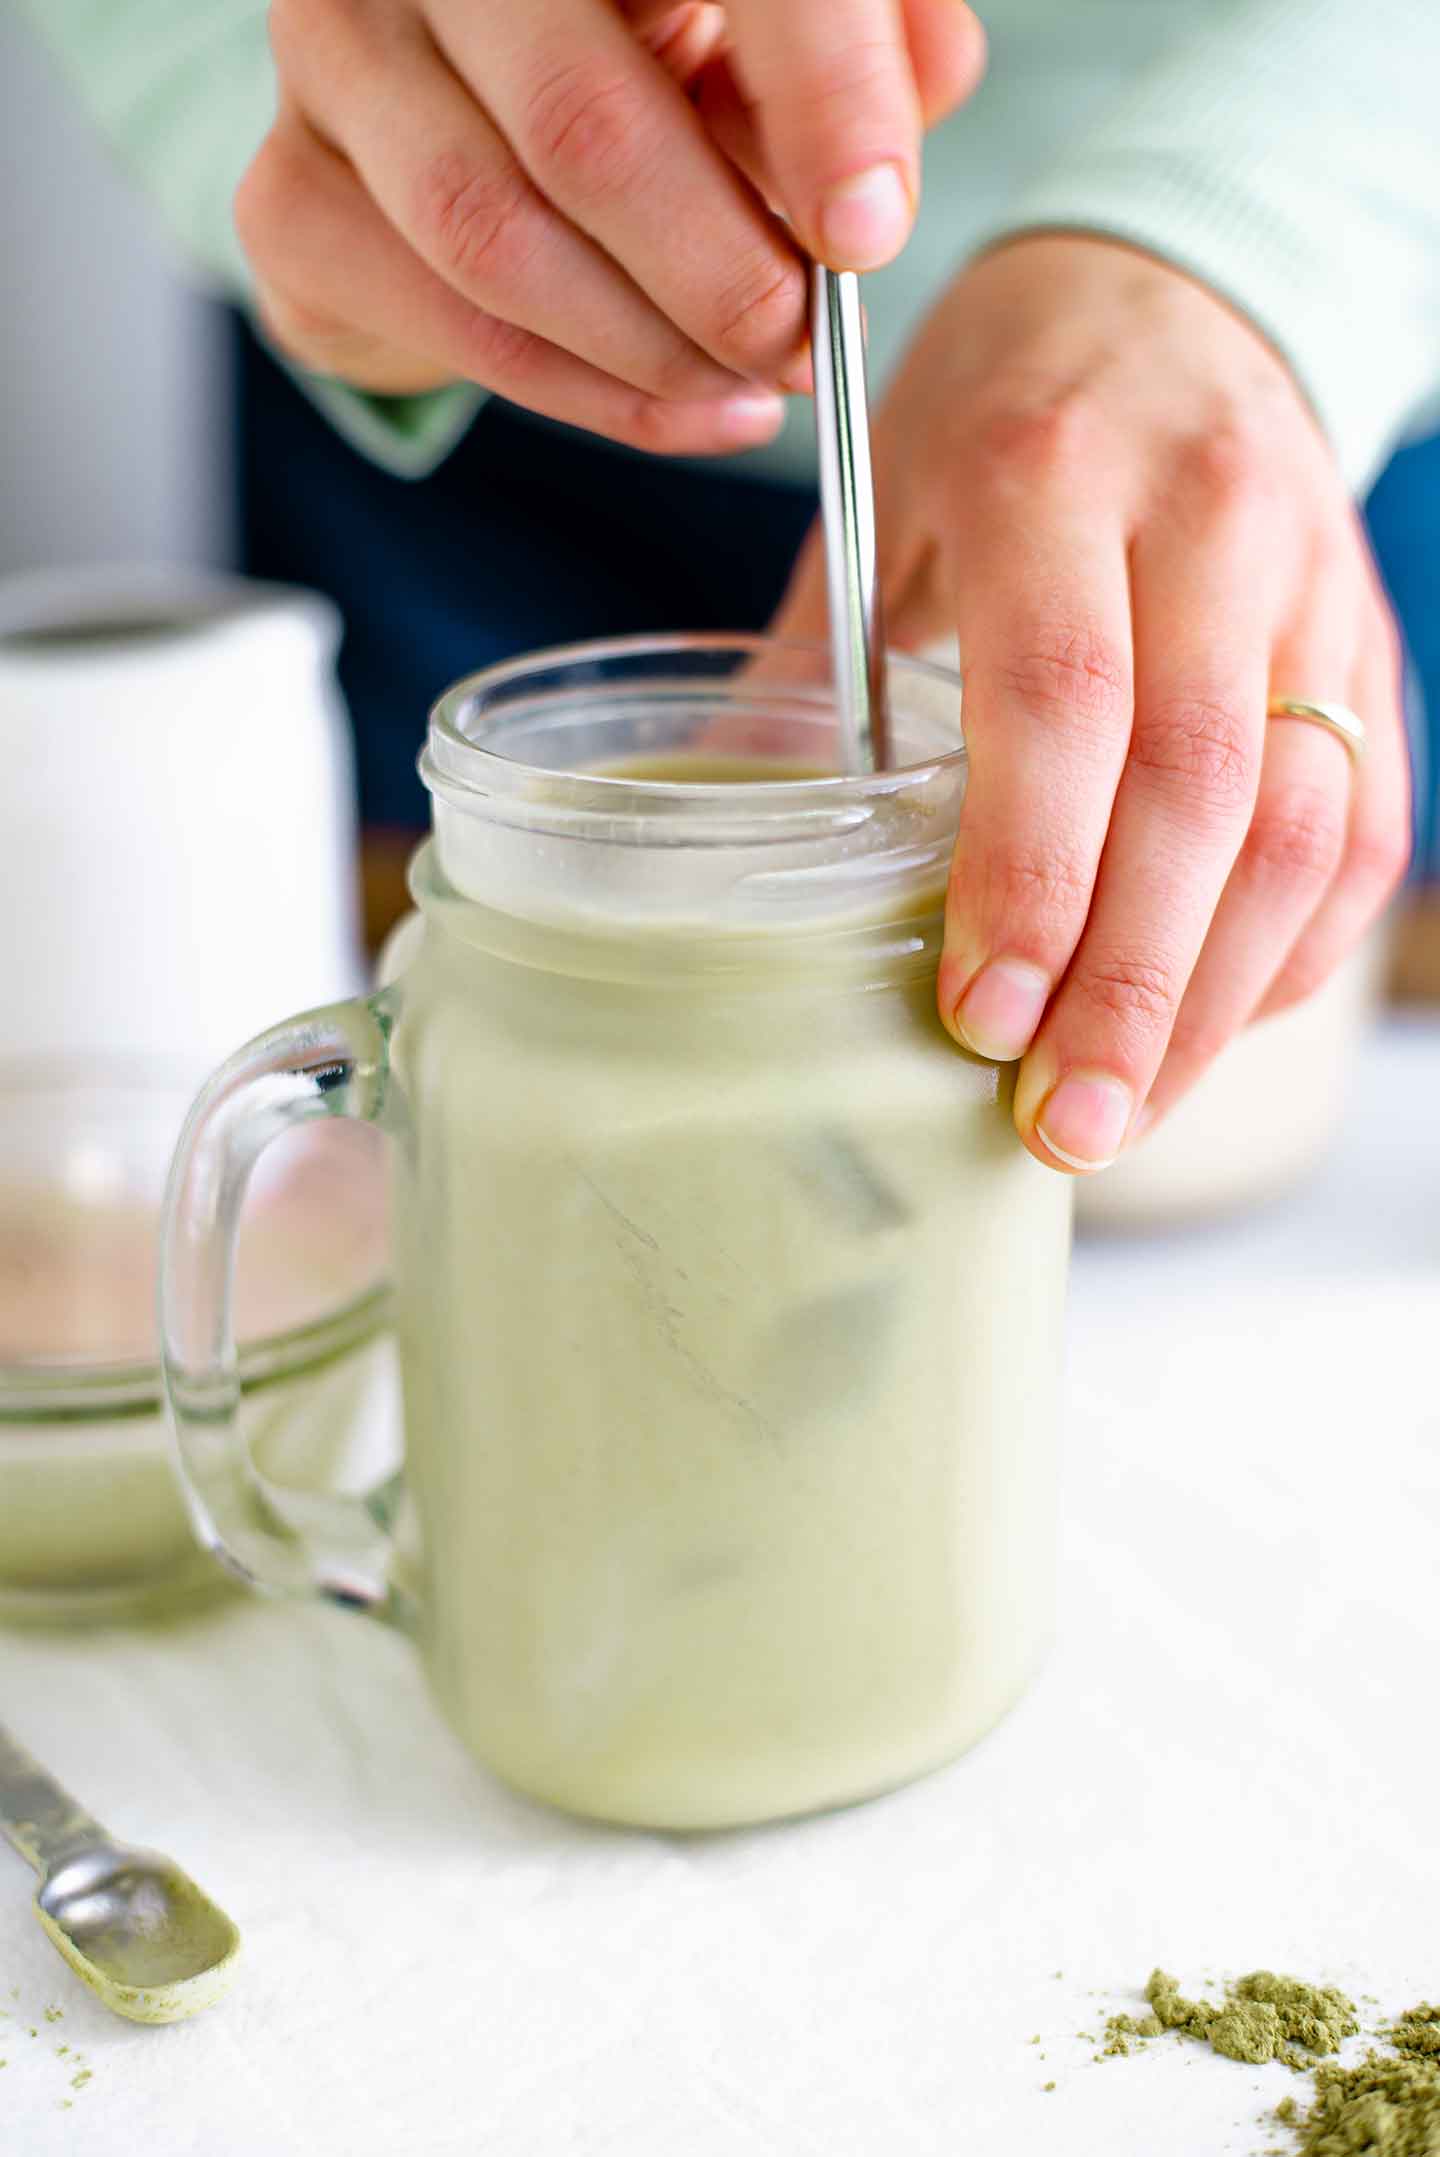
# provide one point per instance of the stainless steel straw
(847, 512)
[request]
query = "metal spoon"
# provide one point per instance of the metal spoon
(138, 1931)
(847, 515)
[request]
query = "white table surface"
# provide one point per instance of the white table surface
(1230, 1761)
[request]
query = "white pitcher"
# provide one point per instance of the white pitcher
(177, 819)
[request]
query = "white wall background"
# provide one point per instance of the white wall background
(113, 424)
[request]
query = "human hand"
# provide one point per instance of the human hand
(1110, 485)
(567, 201)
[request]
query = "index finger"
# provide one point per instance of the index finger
(608, 136)
(835, 101)
(1043, 613)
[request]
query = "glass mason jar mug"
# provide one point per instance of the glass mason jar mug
(729, 1302)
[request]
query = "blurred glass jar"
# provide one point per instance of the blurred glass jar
(92, 1521)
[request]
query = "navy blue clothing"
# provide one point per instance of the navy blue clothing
(1403, 514)
(531, 534)
(527, 535)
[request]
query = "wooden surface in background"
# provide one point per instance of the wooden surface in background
(384, 894)
(1415, 975)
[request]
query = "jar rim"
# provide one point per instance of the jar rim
(465, 769)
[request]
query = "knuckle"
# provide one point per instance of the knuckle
(588, 129)
(1333, 565)
(1201, 746)
(1025, 438)
(853, 74)
(277, 319)
(499, 354)
(319, 340)
(1299, 834)
(291, 323)
(1045, 888)
(1069, 672)
(757, 311)
(651, 424)
(1225, 468)
(1139, 994)
(265, 197)
(289, 23)
(477, 225)
(308, 37)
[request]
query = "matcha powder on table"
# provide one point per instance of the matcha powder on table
(1262, 2017)
(1385, 2105)
(1388, 2105)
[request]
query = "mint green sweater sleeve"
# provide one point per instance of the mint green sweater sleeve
(1287, 153)
(184, 91)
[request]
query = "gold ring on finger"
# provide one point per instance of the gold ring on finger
(1338, 719)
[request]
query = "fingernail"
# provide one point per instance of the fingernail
(752, 415)
(999, 1012)
(1083, 1123)
(863, 222)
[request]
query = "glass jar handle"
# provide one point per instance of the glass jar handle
(330, 1545)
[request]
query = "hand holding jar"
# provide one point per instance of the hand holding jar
(1111, 486)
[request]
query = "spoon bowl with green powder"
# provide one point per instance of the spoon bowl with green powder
(136, 1929)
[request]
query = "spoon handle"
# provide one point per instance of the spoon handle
(40, 1818)
(847, 516)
